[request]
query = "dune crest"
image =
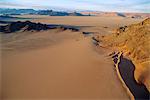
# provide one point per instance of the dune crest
(133, 41)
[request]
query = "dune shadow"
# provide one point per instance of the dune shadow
(126, 69)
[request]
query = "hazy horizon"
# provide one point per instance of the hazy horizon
(137, 6)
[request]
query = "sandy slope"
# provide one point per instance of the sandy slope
(95, 23)
(55, 64)
(133, 41)
(70, 69)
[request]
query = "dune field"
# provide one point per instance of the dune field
(61, 64)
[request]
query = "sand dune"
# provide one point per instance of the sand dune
(70, 69)
(56, 64)
(112, 14)
(133, 41)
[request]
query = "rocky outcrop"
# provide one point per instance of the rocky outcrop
(31, 26)
(72, 28)
(76, 14)
(23, 26)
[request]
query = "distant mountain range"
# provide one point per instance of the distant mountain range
(4, 11)
(38, 12)
(17, 11)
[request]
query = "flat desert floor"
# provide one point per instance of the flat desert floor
(56, 64)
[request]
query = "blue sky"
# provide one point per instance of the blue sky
(96, 5)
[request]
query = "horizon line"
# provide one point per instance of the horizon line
(76, 10)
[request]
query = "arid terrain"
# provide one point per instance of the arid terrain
(60, 64)
(133, 42)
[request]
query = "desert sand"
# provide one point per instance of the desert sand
(94, 23)
(58, 64)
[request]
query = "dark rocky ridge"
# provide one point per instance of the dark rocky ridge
(31, 26)
(24, 26)
(21, 26)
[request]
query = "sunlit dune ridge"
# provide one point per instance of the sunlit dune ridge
(134, 42)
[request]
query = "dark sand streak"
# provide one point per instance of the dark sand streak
(126, 69)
